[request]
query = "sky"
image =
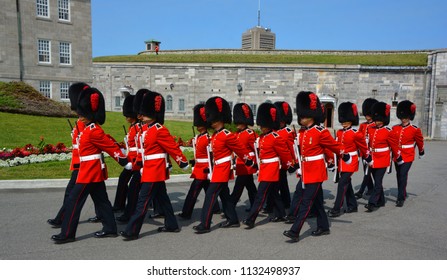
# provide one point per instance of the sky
(121, 27)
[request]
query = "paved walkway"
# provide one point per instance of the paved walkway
(416, 231)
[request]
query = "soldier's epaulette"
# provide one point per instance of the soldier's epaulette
(415, 126)
(91, 126)
(226, 131)
(276, 135)
(355, 129)
(319, 128)
(387, 127)
(249, 131)
(288, 129)
(158, 126)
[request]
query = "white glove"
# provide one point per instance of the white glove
(299, 172)
(141, 171)
(186, 167)
(371, 163)
(128, 166)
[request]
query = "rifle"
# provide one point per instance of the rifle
(296, 149)
(337, 173)
(258, 161)
(194, 141)
(125, 139)
(210, 165)
(390, 167)
(69, 123)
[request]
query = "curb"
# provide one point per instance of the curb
(62, 183)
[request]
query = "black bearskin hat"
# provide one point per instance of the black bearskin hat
(73, 93)
(91, 105)
(200, 115)
(406, 110)
(153, 106)
(285, 112)
(128, 107)
(308, 105)
(347, 112)
(268, 116)
(217, 109)
(242, 114)
(366, 106)
(138, 100)
(380, 111)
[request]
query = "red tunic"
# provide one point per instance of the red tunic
(158, 143)
(312, 142)
(380, 145)
(138, 140)
(201, 156)
(74, 165)
(223, 144)
(363, 129)
(246, 138)
(92, 142)
(273, 153)
(289, 136)
(132, 149)
(406, 138)
(353, 141)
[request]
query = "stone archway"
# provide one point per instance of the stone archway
(330, 104)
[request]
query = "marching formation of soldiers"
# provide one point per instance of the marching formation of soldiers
(218, 158)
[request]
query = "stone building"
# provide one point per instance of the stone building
(46, 43)
(258, 38)
(184, 85)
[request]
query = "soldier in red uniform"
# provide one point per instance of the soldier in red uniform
(157, 144)
(223, 144)
(242, 118)
(273, 153)
(312, 140)
(380, 146)
(354, 142)
(200, 163)
(73, 93)
(367, 182)
(131, 152)
(407, 136)
(92, 170)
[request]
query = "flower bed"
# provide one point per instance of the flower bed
(34, 154)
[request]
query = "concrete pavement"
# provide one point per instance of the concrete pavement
(415, 231)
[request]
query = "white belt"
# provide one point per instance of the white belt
(270, 160)
(75, 146)
(252, 154)
(201, 160)
(155, 156)
(222, 160)
(407, 146)
(133, 149)
(353, 154)
(312, 158)
(90, 157)
(378, 150)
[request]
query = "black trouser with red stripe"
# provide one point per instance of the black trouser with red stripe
(344, 189)
(402, 178)
(76, 201)
(132, 193)
(214, 190)
(296, 201)
(377, 197)
(242, 181)
(149, 191)
(121, 189)
(191, 198)
(284, 191)
(367, 182)
(264, 189)
(60, 215)
(312, 195)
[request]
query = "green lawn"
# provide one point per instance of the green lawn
(19, 130)
(419, 59)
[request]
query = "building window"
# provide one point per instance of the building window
(169, 103)
(117, 101)
(42, 8)
(64, 90)
(44, 47)
(45, 88)
(65, 53)
(64, 9)
(181, 105)
(253, 108)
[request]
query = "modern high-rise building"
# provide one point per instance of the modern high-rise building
(258, 38)
(46, 43)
